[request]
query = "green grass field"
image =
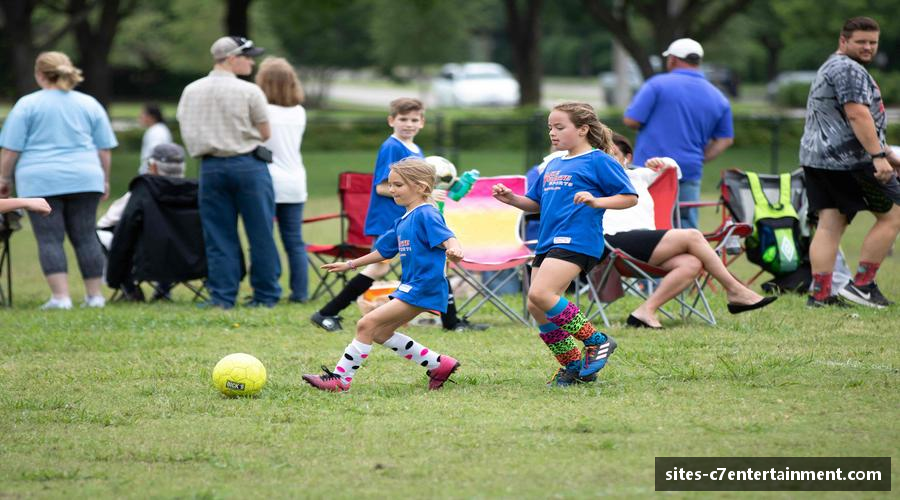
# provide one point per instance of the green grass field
(118, 402)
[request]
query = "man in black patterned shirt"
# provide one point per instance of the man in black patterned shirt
(848, 166)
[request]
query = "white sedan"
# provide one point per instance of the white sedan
(475, 84)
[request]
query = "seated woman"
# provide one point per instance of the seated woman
(681, 252)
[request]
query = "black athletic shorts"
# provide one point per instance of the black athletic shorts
(850, 191)
(638, 243)
(585, 262)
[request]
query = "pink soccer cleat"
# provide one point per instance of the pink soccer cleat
(328, 381)
(442, 373)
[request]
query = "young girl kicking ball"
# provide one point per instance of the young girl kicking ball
(424, 243)
(571, 194)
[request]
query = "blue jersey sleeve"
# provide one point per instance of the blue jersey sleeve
(432, 224)
(391, 152)
(642, 104)
(15, 129)
(536, 188)
(383, 163)
(611, 177)
(386, 244)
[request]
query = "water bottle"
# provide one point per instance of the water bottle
(463, 185)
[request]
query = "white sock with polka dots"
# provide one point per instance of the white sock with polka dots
(354, 355)
(412, 350)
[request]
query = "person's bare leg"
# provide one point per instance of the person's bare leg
(690, 241)
(94, 287)
(682, 269)
(548, 283)
(59, 285)
(824, 246)
(379, 324)
(879, 239)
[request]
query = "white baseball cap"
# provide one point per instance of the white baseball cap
(683, 48)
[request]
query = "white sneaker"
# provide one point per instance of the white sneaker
(94, 301)
(54, 303)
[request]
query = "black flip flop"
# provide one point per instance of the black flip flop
(739, 308)
(637, 323)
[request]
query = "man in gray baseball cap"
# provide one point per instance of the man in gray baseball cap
(234, 46)
(224, 122)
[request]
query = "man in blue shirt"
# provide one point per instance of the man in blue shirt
(683, 116)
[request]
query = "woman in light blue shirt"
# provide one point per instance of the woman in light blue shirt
(57, 141)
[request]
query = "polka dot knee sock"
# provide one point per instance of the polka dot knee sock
(412, 350)
(354, 355)
(568, 317)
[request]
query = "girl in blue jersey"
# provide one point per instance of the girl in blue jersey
(571, 194)
(424, 243)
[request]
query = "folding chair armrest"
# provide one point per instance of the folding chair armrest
(739, 229)
(698, 204)
(318, 218)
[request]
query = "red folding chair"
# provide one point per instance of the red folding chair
(354, 191)
(664, 191)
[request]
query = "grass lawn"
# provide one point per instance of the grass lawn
(118, 402)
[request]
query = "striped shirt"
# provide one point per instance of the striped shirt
(217, 115)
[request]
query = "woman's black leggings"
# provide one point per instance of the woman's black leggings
(73, 214)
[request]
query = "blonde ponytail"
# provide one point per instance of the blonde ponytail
(58, 69)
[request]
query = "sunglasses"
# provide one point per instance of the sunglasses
(243, 46)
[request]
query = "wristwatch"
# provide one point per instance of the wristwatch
(882, 154)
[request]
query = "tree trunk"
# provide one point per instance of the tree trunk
(669, 20)
(95, 44)
(236, 15)
(18, 34)
(523, 30)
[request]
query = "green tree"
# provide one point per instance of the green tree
(415, 33)
(322, 37)
(524, 32)
(667, 20)
(30, 27)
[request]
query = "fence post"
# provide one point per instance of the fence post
(776, 143)
(455, 139)
(534, 141)
(439, 134)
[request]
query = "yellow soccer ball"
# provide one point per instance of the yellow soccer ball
(239, 374)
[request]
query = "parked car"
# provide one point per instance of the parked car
(475, 84)
(787, 78)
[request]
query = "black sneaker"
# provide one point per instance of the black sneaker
(832, 301)
(865, 295)
(566, 378)
(463, 325)
(327, 323)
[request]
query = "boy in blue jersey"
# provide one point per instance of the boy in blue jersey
(572, 194)
(423, 241)
(407, 118)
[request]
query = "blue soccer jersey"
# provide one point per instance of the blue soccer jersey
(382, 209)
(417, 237)
(578, 228)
